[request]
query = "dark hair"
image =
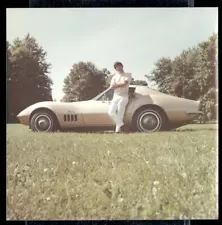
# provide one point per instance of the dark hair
(117, 64)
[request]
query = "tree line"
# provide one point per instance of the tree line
(27, 76)
(190, 75)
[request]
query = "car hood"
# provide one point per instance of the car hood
(51, 105)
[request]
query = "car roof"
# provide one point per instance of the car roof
(145, 90)
(132, 85)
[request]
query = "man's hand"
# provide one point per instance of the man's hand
(114, 86)
(124, 83)
(121, 84)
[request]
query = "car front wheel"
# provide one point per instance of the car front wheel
(149, 120)
(43, 122)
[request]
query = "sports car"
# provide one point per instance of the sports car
(147, 111)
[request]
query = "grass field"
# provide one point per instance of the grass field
(165, 175)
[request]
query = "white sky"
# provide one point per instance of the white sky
(137, 37)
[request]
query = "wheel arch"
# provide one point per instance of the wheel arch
(150, 106)
(47, 110)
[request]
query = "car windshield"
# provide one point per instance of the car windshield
(107, 95)
(99, 95)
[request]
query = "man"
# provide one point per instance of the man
(120, 83)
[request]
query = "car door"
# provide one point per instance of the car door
(96, 111)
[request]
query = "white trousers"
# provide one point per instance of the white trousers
(117, 109)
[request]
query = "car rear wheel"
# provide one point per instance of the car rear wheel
(149, 120)
(43, 121)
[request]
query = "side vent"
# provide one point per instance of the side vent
(70, 118)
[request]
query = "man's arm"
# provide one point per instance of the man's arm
(126, 81)
(113, 84)
(122, 84)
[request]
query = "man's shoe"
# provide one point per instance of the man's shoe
(121, 129)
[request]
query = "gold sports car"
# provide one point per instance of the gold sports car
(147, 111)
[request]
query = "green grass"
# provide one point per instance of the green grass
(165, 175)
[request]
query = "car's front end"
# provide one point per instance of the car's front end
(23, 116)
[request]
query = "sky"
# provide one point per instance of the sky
(137, 37)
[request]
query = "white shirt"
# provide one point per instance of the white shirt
(120, 78)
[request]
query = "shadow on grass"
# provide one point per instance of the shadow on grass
(193, 130)
(108, 130)
(92, 132)
(134, 132)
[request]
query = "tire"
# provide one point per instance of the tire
(43, 121)
(149, 120)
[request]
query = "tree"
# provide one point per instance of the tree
(108, 77)
(8, 72)
(28, 78)
(161, 75)
(205, 76)
(84, 82)
(190, 75)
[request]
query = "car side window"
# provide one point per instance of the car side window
(108, 96)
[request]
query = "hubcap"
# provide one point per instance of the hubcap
(43, 123)
(149, 122)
